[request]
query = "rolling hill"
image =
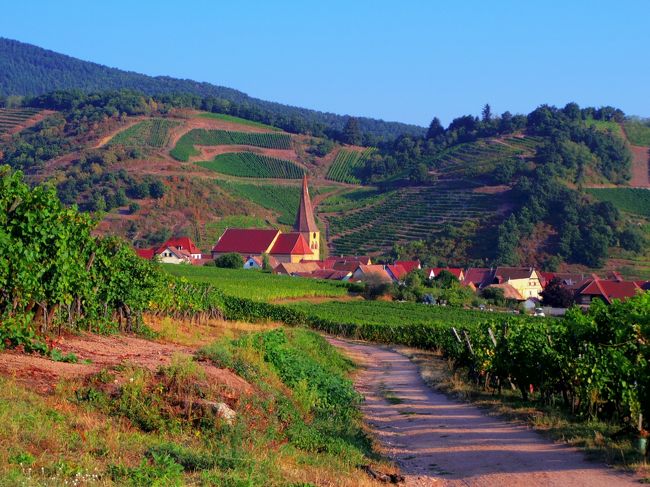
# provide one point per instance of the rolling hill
(26, 69)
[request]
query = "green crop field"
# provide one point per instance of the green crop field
(346, 163)
(282, 200)
(251, 165)
(185, 146)
(391, 313)
(479, 158)
(257, 285)
(149, 133)
(633, 200)
(638, 132)
(405, 215)
(241, 121)
(12, 117)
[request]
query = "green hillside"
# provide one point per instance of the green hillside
(251, 165)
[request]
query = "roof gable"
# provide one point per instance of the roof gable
(409, 265)
(291, 244)
(181, 243)
(246, 240)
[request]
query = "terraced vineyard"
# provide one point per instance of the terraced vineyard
(479, 158)
(346, 162)
(12, 117)
(405, 215)
(185, 146)
(250, 165)
(282, 200)
(149, 133)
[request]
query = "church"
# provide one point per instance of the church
(292, 247)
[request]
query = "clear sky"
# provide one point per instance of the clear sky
(396, 60)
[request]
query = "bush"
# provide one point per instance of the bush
(231, 260)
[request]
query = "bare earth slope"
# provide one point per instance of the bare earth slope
(437, 441)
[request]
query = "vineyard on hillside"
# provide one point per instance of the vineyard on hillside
(638, 132)
(346, 162)
(185, 146)
(149, 133)
(12, 117)
(279, 199)
(242, 121)
(633, 200)
(405, 215)
(482, 157)
(251, 165)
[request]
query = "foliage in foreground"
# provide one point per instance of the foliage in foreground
(133, 426)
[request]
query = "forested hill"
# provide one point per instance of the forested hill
(26, 69)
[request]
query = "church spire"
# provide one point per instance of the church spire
(305, 222)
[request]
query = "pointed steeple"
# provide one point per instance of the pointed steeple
(305, 222)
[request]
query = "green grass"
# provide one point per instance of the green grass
(638, 132)
(256, 285)
(282, 200)
(251, 165)
(241, 121)
(605, 126)
(148, 133)
(633, 200)
(346, 163)
(185, 146)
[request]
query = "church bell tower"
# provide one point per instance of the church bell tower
(305, 223)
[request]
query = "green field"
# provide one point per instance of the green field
(480, 158)
(185, 146)
(638, 132)
(346, 163)
(149, 133)
(12, 117)
(259, 286)
(405, 215)
(633, 200)
(241, 121)
(605, 126)
(251, 165)
(282, 200)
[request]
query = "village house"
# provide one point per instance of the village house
(293, 268)
(606, 290)
(409, 265)
(180, 250)
(457, 272)
(257, 262)
(363, 272)
(524, 280)
(300, 245)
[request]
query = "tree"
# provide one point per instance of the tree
(157, 189)
(435, 128)
(486, 113)
(351, 132)
(632, 239)
(231, 260)
(557, 295)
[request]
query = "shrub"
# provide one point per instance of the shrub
(231, 260)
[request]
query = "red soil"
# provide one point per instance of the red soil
(42, 374)
(640, 166)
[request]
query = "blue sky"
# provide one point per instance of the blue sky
(405, 61)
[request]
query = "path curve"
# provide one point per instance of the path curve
(441, 442)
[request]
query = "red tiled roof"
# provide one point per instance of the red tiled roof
(503, 274)
(610, 289)
(456, 271)
(181, 243)
(145, 253)
(291, 268)
(408, 265)
(397, 271)
(291, 244)
(245, 240)
(477, 275)
(509, 292)
(344, 266)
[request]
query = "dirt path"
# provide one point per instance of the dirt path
(437, 441)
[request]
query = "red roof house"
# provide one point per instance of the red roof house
(478, 276)
(606, 290)
(396, 272)
(248, 241)
(456, 271)
(409, 265)
(181, 243)
(145, 253)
